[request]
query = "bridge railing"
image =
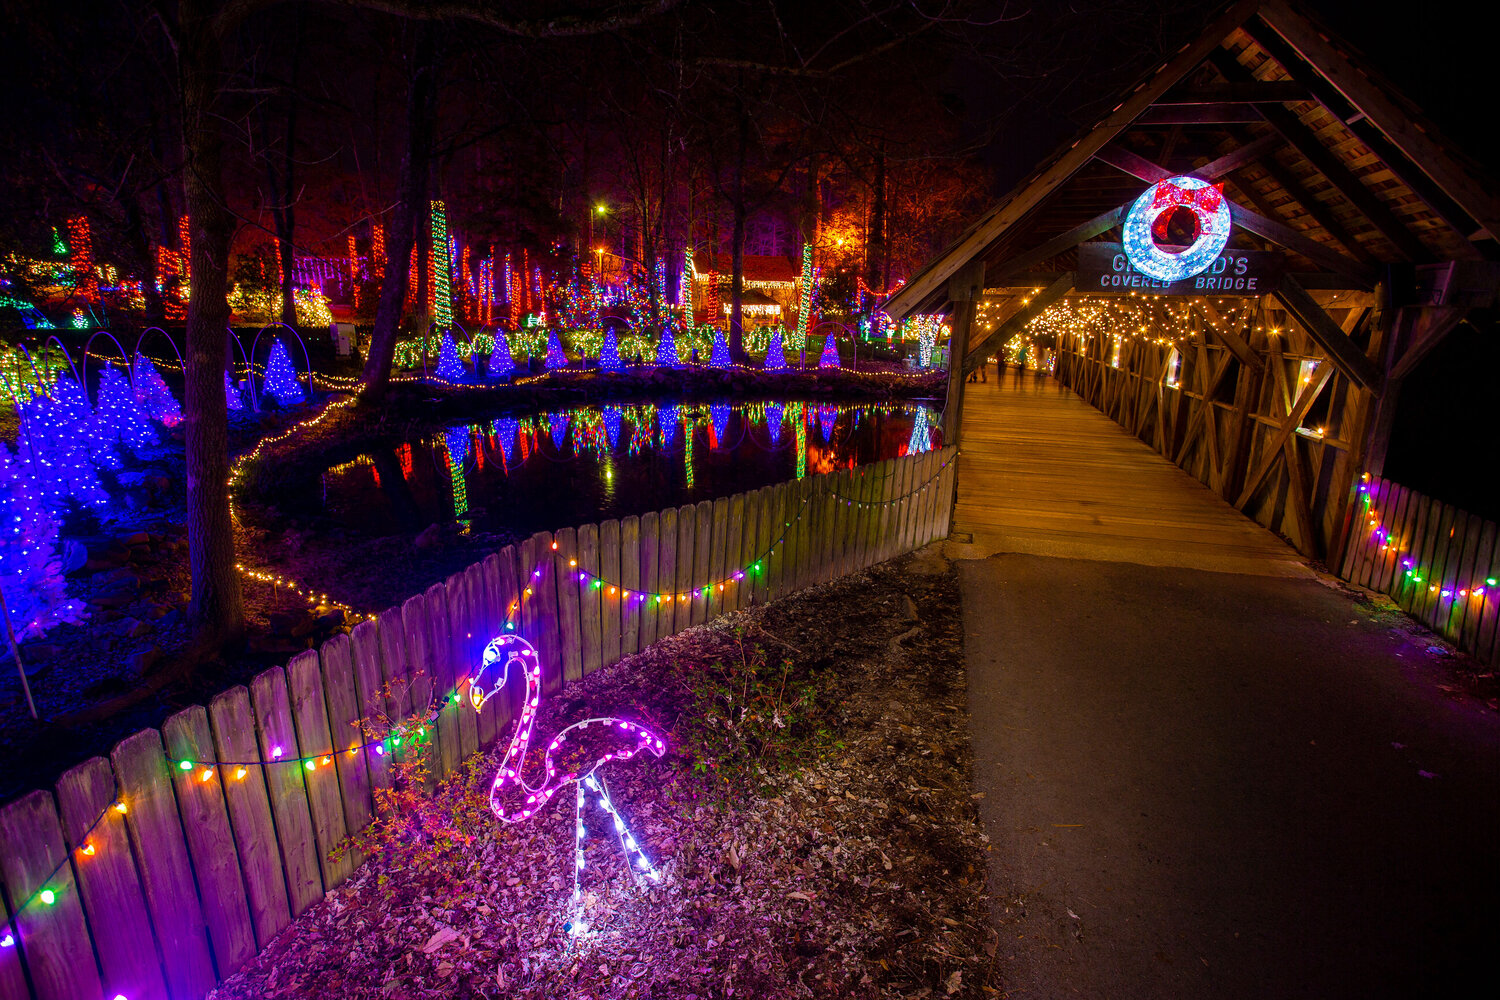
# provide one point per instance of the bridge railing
(1439, 563)
(163, 869)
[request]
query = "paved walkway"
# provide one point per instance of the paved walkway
(1203, 784)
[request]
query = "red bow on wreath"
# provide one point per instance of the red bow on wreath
(1207, 198)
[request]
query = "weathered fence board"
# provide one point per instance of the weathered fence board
(210, 841)
(702, 578)
(286, 787)
(721, 591)
(233, 725)
(611, 598)
(758, 558)
(650, 608)
(682, 598)
(570, 629)
(369, 681)
(162, 859)
(108, 882)
(666, 572)
(590, 606)
(347, 738)
(460, 630)
(55, 938)
(732, 598)
(631, 565)
(310, 717)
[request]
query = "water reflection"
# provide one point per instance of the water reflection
(542, 471)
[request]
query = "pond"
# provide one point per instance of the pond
(543, 471)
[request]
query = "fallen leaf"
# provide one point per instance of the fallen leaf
(954, 983)
(444, 935)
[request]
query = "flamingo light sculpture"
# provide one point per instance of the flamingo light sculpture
(514, 798)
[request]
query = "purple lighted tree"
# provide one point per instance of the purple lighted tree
(555, 357)
(830, 358)
(72, 402)
(53, 453)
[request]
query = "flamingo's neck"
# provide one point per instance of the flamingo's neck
(520, 741)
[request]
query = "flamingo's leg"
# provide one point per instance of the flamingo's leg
(576, 925)
(635, 856)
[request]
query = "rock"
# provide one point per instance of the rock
(139, 538)
(115, 600)
(134, 628)
(122, 580)
(75, 556)
(38, 652)
(159, 611)
(331, 620)
(430, 538)
(139, 663)
(305, 627)
(283, 622)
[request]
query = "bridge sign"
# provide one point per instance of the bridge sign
(1105, 267)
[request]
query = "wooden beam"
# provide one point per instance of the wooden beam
(1231, 339)
(1249, 153)
(1320, 212)
(1394, 159)
(1394, 121)
(1327, 163)
(1342, 351)
(1063, 242)
(1019, 319)
(964, 289)
(1362, 275)
(1133, 164)
(1200, 114)
(1041, 184)
(1289, 424)
(1259, 92)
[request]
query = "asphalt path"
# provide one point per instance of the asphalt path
(1212, 785)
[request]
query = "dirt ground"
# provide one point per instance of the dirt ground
(813, 818)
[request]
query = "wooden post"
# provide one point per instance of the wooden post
(964, 289)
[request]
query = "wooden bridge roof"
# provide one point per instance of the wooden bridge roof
(1320, 157)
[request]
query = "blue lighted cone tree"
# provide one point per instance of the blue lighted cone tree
(449, 367)
(506, 429)
(830, 358)
(118, 416)
(232, 394)
(281, 377)
(775, 416)
(75, 406)
(31, 578)
(555, 357)
(501, 364)
(921, 433)
(53, 452)
(720, 356)
(151, 391)
(609, 351)
(666, 347)
(775, 354)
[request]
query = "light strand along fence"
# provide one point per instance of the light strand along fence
(165, 868)
(1437, 562)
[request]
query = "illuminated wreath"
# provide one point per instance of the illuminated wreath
(1210, 211)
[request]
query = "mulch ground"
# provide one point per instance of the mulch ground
(813, 817)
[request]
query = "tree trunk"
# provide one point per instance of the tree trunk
(217, 603)
(737, 350)
(876, 258)
(421, 106)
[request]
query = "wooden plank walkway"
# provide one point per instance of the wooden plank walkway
(1043, 472)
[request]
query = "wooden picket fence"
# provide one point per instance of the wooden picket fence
(1436, 561)
(165, 868)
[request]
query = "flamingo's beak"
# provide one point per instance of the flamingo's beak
(492, 669)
